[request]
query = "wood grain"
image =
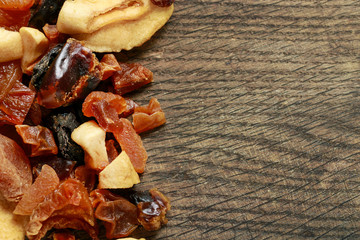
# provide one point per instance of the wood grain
(262, 100)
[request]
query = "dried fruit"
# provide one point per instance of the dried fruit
(46, 12)
(64, 235)
(148, 117)
(15, 171)
(163, 3)
(9, 73)
(130, 107)
(119, 217)
(62, 167)
(131, 77)
(111, 150)
(10, 45)
(86, 176)
(109, 65)
(74, 73)
(44, 184)
(39, 138)
(14, 20)
(16, 4)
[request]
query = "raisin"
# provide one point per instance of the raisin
(163, 3)
(131, 77)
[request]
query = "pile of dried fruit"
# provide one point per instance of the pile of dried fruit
(69, 152)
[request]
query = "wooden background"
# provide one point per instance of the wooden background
(262, 100)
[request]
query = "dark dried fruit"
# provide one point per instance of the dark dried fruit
(130, 108)
(39, 138)
(111, 150)
(163, 3)
(86, 176)
(15, 171)
(63, 235)
(62, 167)
(63, 125)
(73, 74)
(46, 12)
(131, 77)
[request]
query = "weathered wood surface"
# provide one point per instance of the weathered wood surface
(262, 100)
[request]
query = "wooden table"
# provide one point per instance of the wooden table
(262, 100)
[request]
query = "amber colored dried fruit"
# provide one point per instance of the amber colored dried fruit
(54, 36)
(44, 184)
(14, 20)
(62, 167)
(69, 205)
(111, 150)
(131, 143)
(105, 107)
(130, 108)
(15, 171)
(16, 4)
(131, 77)
(151, 215)
(98, 196)
(148, 117)
(109, 65)
(9, 73)
(72, 75)
(163, 3)
(119, 217)
(34, 115)
(40, 139)
(16, 104)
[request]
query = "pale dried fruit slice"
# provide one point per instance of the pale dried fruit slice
(90, 15)
(12, 227)
(10, 45)
(91, 138)
(15, 171)
(120, 173)
(35, 44)
(126, 35)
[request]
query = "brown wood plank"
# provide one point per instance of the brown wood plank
(262, 102)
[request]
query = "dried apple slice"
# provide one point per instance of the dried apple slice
(10, 45)
(90, 16)
(125, 35)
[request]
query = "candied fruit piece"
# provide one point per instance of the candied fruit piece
(62, 167)
(15, 171)
(40, 139)
(9, 73)
(98, 196)
(14, 20)
(72, 75)
(151, 215)
(131, 143)
(44, 184)
(16, 4)
(54, 36)
(68, 206)
(130, 108)
(119, 217)
(86, 176)
(148, 117)
(109, 65)
(163, 3)
(111, 150)
(15, 106)
(131, 77)
(62, 125)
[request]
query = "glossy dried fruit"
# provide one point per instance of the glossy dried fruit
(62, 167)
(111, 150)
(131, 77)
(105, 107)
(40, 139)
(148, 117)
(131, 143)
(109, 66)
(16, 4)
(15, 171)
(46, 12)
(119, 217)
(9, 73)
(98, 196)
(54, 36)
(63, 235)
(73, 74)
(163, 3)
(86, 176)
(44, 184)
(152, 214)
(14, 20)
(130, 108)
(62, 125)
(69, 205)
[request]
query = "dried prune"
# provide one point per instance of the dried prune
(46, 12)
(131, 77)
(16, 104)
(152, 214)
(73, 74)
(163, 3)
(62, 125)
(119, 217)
(39, 138)
(148, 117)
(62, 167)
(68, 206)
(15, 171)
(44, 184)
